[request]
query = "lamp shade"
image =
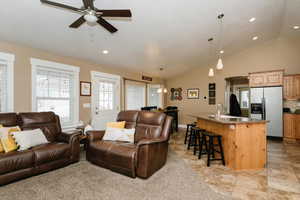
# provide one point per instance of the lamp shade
(211, 72)
(159, 90)
(165, 90)
(220, 64)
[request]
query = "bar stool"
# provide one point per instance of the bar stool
(210, 148)
(188, 131)
(195, 138)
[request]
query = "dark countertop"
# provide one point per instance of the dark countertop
(292, 113)
(226, 119)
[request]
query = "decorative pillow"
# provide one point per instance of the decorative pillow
(119, 134)
(116, 124)
(30, 138)
(7, 141)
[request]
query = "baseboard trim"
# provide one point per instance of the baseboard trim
(181, 126)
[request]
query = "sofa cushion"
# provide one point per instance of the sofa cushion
(8, 142)
(129, 116)
(149, 125)
(8, 119)
(13, 161)
(51, 152)
(115, 154)
(47, 121)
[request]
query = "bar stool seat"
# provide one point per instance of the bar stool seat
(188, 131)
(210, 148)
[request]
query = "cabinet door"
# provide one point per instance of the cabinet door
(297, 127)
(289, 126)
(288, 87)
(296, 90)
(274, 78)
(257, 80)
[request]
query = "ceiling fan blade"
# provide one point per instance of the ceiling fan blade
(61, 5)
(78, 22)
(114, 13)
(106, 25)
(89, 3)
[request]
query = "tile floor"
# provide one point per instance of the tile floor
(280, 180)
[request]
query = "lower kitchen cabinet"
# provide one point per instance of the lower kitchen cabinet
(291, 126)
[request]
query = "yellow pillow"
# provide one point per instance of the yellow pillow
(116, 124)
(8, 142)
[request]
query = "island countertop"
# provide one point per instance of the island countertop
(226, 119)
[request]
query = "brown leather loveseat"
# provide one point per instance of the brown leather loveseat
(148, 153)
(61, 150)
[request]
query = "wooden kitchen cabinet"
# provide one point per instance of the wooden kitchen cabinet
(291, 87)
(291, 126)
(265, 79)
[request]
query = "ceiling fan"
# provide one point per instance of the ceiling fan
(92, 14)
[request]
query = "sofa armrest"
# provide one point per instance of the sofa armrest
(151, 141)
(94, 135)
(68, 137)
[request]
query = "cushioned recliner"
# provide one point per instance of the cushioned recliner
(62, 149)
(148, 153)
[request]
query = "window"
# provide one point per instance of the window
(154, 98)
(135, 96)
(55, 88)
(106, 96)
(6, 82)
(244, 98)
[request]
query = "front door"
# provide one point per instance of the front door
(105, 99)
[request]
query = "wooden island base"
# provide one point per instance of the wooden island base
(244, 144)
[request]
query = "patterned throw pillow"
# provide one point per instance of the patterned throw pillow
(119, 134)
(116, 124)
(7, 141)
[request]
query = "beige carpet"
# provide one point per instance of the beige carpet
(84, 181)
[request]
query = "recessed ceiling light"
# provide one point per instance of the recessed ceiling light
(105, 51)
(252, 19)
(296, 27)
(222, 51)
(255, 38)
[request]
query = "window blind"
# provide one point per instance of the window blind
(3, 88)
(54, 92)
(135, 95)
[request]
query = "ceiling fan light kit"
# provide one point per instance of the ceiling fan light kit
(91, 14)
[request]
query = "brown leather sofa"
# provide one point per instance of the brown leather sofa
(148, 153)
(61, 150)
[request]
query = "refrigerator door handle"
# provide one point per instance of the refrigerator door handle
(263, 108)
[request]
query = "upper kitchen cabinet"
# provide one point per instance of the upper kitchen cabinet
(265, 79)
(291, 87)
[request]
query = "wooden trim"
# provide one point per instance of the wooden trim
(260, 72)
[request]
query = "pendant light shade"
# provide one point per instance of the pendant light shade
(211, 72)
(159, 90)
(220, 64)
(165, 90)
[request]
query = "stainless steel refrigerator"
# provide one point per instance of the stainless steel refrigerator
(266, 104)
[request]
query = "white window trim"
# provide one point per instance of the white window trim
(56, 66)
(9, 60)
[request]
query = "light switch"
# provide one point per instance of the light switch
(86, 105)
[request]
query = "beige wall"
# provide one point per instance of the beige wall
(22, 74)
(281, 53)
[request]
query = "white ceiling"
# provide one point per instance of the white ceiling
(170, 34)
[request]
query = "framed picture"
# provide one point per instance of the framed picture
(193, 93)
(85, 88)
(211, 86)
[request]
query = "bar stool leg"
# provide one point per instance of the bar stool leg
(221, 150)
(196, 141)
(186, 133)
(210, 146)
(190, 139)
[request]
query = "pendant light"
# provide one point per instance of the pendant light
(220, 65)
(211, 72)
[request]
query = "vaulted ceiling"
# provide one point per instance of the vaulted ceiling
(170, 34)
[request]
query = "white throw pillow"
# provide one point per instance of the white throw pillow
(88, 128)
(119, 134)
(30, 138)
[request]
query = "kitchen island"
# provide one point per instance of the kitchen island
(244, 139)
